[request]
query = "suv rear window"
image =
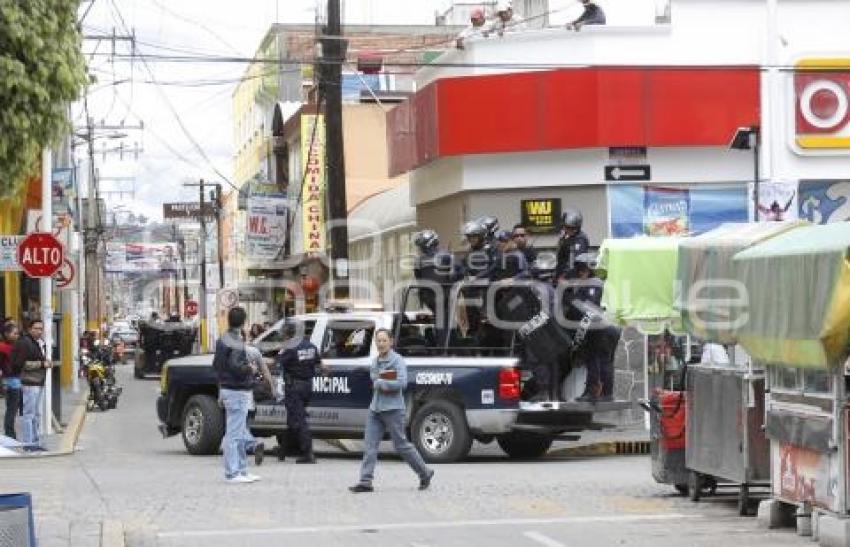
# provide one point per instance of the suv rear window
(348, 339)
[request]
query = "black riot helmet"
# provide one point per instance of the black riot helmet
(426, 241)
(572, 219)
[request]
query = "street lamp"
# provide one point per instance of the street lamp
(747, 138)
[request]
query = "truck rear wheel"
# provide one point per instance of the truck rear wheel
(524, 446)
(440, 432)
(203, 425)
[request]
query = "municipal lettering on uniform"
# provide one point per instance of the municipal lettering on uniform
(331, 384)
(434, 378)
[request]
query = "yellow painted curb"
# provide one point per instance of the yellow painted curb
(606, 448)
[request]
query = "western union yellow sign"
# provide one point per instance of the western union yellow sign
(541, 215)
(313, 191)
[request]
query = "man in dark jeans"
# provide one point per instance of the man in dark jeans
(298, 363)
(11, 382)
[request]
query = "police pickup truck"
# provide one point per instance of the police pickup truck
(454, 396)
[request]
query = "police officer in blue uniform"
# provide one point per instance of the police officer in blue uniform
(596, 339)
(573, 243)
(435, 266)
(298, 364)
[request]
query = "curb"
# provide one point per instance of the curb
(69, 438)
(605, 448)
(112, 533)
(343, 444)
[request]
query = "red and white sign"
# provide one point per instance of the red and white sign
(40, 254)
(191, 308)
(822, 104)
(65, 276)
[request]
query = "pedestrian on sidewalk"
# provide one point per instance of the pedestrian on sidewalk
(11, 381)
(236, 383)
(386, 413)
(30, 363)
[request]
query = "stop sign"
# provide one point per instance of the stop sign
(40, 254)
(191, 308)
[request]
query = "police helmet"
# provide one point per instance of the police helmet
(426, 240)
(572, 219)
(475, 228)
(492, 224)
(588, 260)
(502, 236)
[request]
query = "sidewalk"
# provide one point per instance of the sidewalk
(63, 440)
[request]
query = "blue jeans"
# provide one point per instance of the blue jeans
(13, 405)
(391, 421)
(237, 439)
(31, 422)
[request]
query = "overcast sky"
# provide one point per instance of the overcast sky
(223, 27)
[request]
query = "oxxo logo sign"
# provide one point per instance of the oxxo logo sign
(822, 104)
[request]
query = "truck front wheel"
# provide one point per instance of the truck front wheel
(203, 425)
(440, 432)
(524, 446)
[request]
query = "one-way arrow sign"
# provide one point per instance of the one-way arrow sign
(627, 172)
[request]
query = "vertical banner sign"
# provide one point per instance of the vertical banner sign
(313, 192)
(666, 211)
(266, 231)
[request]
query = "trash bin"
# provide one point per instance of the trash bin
(17, 528)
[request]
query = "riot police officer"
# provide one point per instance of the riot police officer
(573, 243)
(298, 364)
(479, 259)
(596, 338)
(435, 266)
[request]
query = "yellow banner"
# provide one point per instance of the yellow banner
(315, 176)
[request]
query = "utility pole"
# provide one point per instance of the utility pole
(202, 304)
(220, 240)
(333, 55)
(176, 274)
(90, 235)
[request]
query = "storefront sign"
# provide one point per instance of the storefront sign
(822, 106)
(672, 210)
(541, 215)
(824, 201)
(265, 232)
(188, 210)
(9, 253)
(142, 257)
(313, 191)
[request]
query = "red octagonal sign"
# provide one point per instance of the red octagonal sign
(40, 254)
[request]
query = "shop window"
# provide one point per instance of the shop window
(786, 378)
(348, 339)
(817, 382)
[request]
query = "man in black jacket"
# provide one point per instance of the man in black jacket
(30, 363)
(236, 383)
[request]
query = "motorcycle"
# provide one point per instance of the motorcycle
(100, 374)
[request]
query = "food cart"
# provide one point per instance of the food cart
(725, 443)
(640, 276)
(798, 325)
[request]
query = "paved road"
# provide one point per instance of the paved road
(125, 472)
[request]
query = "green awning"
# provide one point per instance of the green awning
(708, 294)
(798, 285)
(641, 273)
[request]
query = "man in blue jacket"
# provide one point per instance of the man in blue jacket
(386, 413)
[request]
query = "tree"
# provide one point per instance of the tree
(41, 71)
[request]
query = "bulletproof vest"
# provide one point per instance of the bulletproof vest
(568, 250)
(510, 265)
(437, 268)
(303, 367)
(478, 262)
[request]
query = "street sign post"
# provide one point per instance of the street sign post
(191, 308)
(40, 254)
(627, 172)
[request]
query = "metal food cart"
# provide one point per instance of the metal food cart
(798, 286)
(725, 441)
(641, 274)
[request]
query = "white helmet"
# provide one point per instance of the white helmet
(504, 5)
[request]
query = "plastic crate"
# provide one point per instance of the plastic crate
(17, 528)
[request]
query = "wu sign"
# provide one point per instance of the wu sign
(40, 254)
